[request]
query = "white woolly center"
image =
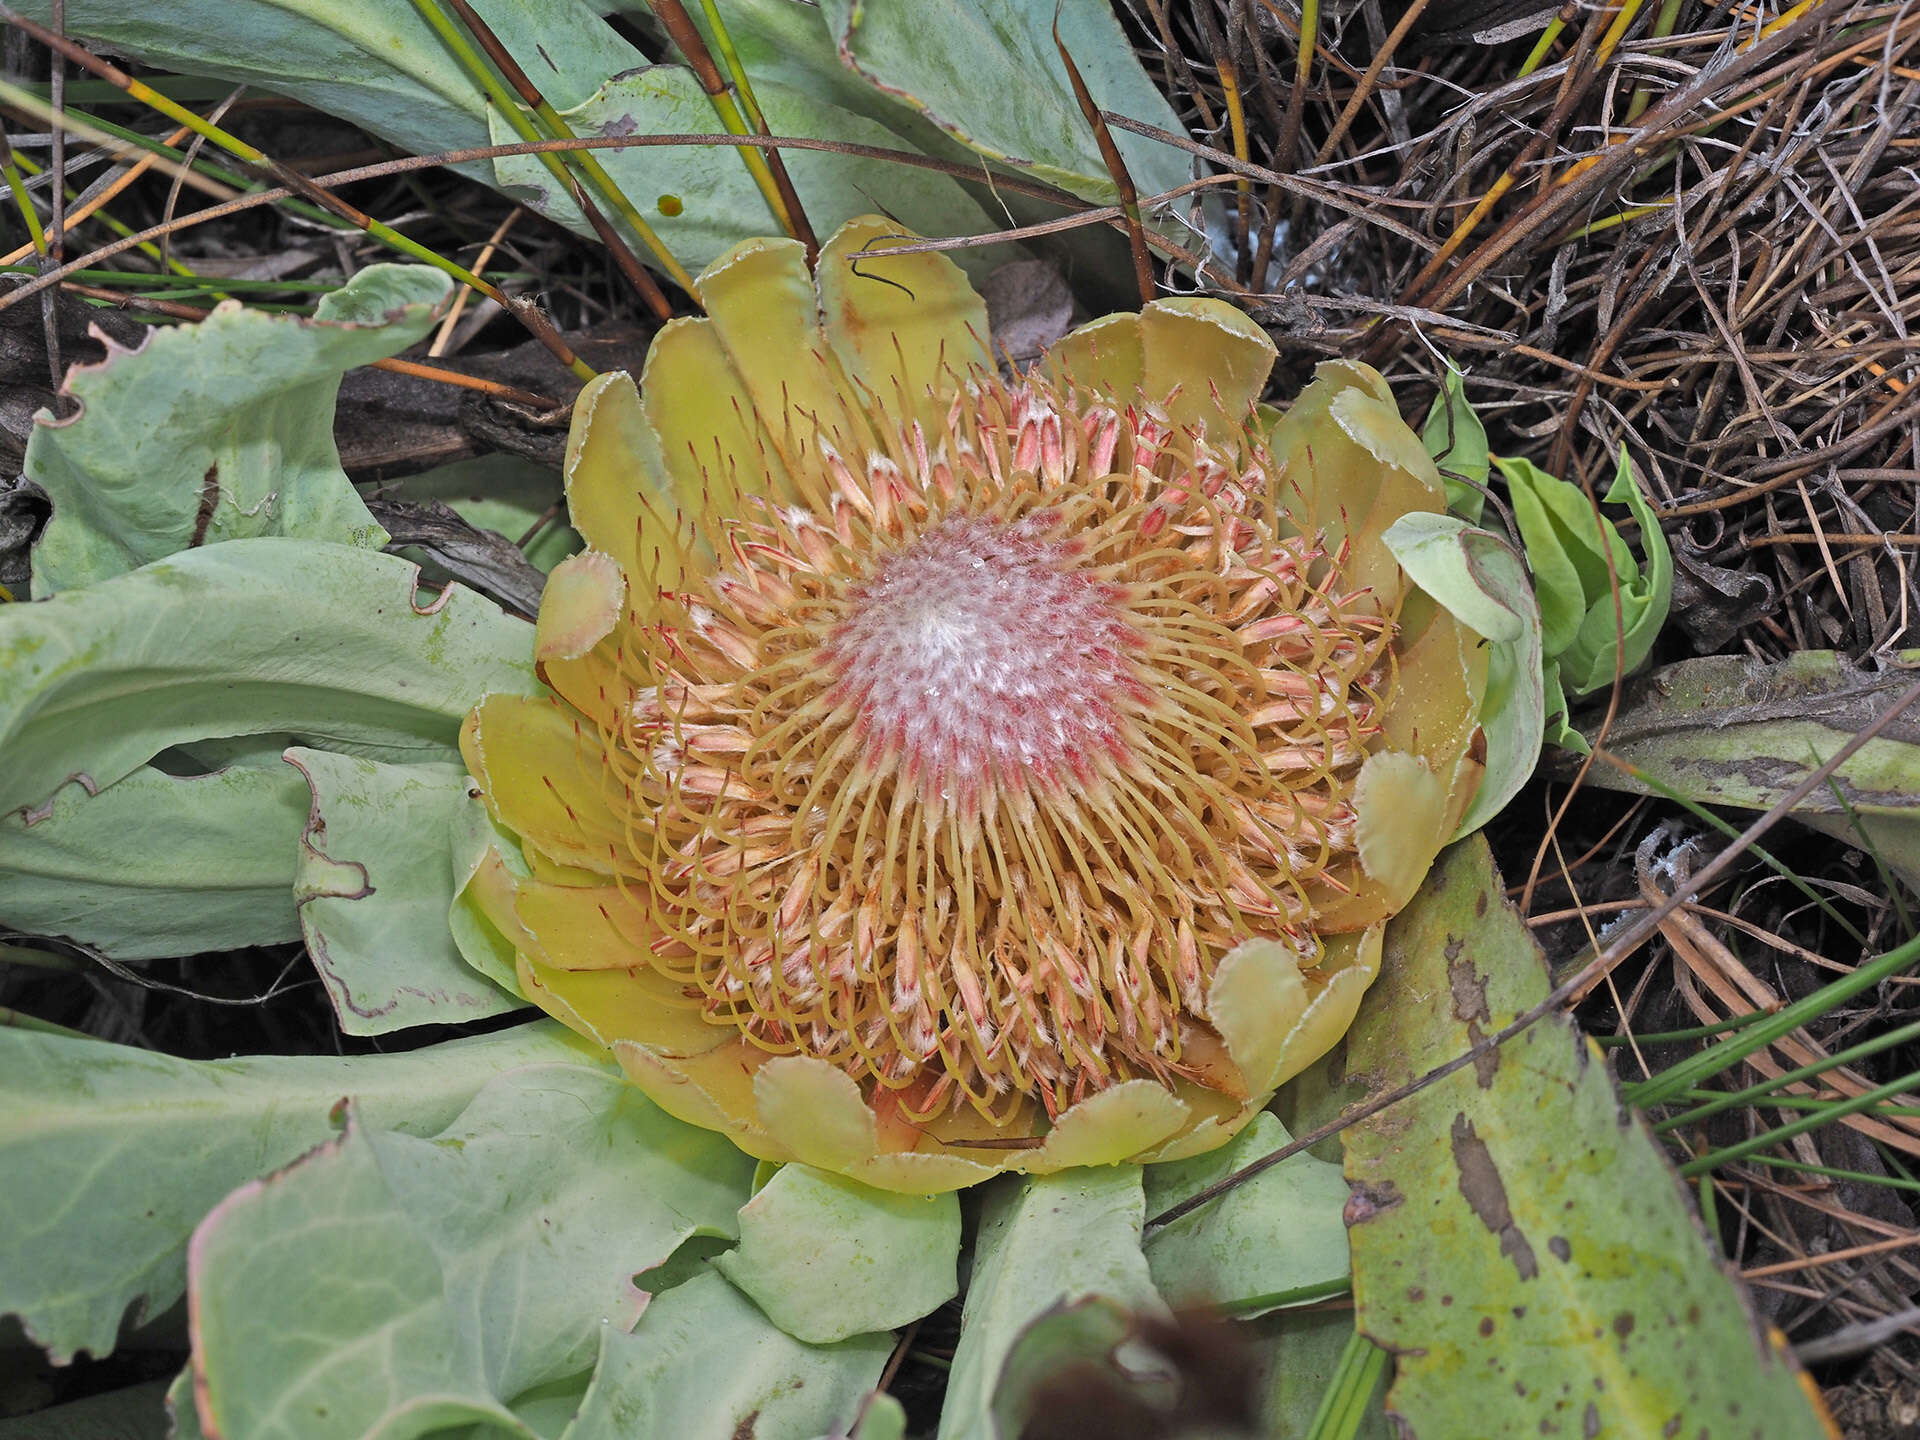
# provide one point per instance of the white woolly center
(978, 657)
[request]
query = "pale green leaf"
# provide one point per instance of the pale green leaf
(1520, 1243)
(1476, 575)
(243, 638)
(386, 1281)
(470, 835)
(217, 431)
(1278, 1239)
(1457, 441)
(885, 1419)
(704, 1364)
(110, 1156)
(987, 72)
(721, 204)
(373, 884)
(827, 1257)
(159, 864)
(1044, 1242)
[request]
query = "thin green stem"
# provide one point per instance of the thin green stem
(1762, 1093)
(1695, 1069)
(1699, 1032)
(1892, 1182)
(9, 162)
(1713, 1160)
(1343, 1404)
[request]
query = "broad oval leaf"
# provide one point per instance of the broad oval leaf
(827, 1257)
(1008, 97)
(704, 1364)
(719, 202)
(1519, 1241)
(1278, 1239)
(386, 1281)
(374, 63)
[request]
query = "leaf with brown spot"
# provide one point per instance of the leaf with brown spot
(1731, 731)
(1542, 1271)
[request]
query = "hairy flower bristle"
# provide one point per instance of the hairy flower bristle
(964, 772)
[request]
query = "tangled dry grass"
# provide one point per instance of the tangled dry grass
(1694, 230)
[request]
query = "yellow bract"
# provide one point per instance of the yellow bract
(700, 886)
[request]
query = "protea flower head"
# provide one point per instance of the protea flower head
(947, 773)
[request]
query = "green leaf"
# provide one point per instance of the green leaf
(1478, 578)
(987, 72)
(1569, 553)
(243, 638)
(158, 864)
(1457, 441)
(373, 886)
(470, 835)
(1728, 731)
(217, 431)
(1589, 662)
(1519, 1241)
(387, 1281)
(110, 1156)
(507, 494)
(703, 1364)
(373, 63)
(885, 1419)
(827, 1257)
(1044, 1242)
(1560, 731)
(1307, 1354)
(1278, 1239)
(721, 203)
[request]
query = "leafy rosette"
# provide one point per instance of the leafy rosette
(948, 772)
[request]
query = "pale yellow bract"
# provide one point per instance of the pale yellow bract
(948, 773)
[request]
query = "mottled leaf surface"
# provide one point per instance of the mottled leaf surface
(217, 431)
(373, 884)
(1519, 1241)
(388, 1284)
(109, 1156)
(1727, 731)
